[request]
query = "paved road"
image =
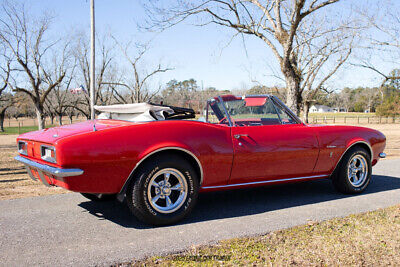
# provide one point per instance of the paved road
(69, 230)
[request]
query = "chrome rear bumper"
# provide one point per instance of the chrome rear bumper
(42, 168)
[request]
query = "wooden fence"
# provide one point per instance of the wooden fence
(353, 120)
(26, 121)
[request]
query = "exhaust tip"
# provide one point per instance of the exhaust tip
(382, 155)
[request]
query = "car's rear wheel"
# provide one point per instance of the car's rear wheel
(163, 191)
(353, 173)
(99, 197)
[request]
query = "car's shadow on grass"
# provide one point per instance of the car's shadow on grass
(237, 203)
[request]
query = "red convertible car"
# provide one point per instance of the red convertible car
(158, 158)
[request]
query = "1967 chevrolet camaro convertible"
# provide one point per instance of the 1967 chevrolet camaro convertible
(158, 158)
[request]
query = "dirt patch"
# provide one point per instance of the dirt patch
(14, 181)
(8, 140)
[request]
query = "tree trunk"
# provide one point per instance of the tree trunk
(70, 119)
(60, 119)
(40, 119)
(2, 116)
(293, 96)
(51, 119)
(306, 111)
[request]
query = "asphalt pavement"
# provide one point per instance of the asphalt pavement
(71, 230)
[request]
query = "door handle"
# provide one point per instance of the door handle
(237, 136)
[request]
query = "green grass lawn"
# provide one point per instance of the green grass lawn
(22, 129)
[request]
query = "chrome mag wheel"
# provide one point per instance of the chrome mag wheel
(357, 171)
(167, 190)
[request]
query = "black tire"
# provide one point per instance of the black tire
(341, 180)
(137, 196)
(100, 197)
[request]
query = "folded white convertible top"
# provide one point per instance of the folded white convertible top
(134, 112)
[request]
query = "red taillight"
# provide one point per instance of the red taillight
(48, 153)
(22, 148)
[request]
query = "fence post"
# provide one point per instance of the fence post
(358, 119)
(368, 119)
(333, 119)
(19, 130)
(9, 122)
(380, 119)
(344, 120)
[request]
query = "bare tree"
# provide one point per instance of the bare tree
(25, 38)
(385, 38)
(321, 51)
(275, 22)
(6, 98)
(135, 81)
(58, 100)
(103, 69)
(386, 78)
(70, 112)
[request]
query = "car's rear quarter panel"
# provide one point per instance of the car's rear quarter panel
(108, 156)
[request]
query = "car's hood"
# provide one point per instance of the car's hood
(51, 135)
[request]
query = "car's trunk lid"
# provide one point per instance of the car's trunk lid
(51, 135)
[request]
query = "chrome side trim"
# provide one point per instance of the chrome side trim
(266, 182)
(49, 169)
(162, 149)
(358, 142)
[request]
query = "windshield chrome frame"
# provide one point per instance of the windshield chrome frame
(228, 117)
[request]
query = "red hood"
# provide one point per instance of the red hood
(51, 135)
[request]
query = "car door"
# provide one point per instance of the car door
(271, 147)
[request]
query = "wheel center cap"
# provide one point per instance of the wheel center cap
(166, 190)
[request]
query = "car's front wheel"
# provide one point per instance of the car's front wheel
(163, 191)
(353, 173)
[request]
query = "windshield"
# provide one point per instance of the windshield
(252, 111)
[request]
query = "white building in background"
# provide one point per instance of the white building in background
(320, 109)
(339, 110)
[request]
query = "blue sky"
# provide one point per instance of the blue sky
(193, 52)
